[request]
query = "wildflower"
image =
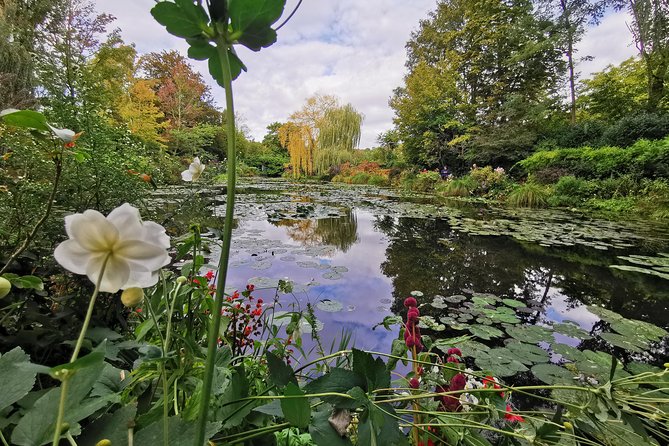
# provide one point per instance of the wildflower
(512, 417)
(138, 311)
(250, 287)
(131, 250)
(209, 275)
(5, 287)
(413, 383)
(194, 170)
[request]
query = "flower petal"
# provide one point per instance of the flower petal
(116, 274)
(92, 230)
(155, 234)
(144, 256)
(127, 221)
(141, 279)
(186, 175)
(72, 256)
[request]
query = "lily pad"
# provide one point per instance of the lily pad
(623, 342)
(485, 332)
(513, 303)
(552, 374)
(571, 329)
(532, 334)
(332, 275)
(528, 354)
(429, 322)
(568, 352)
(439, 302)
(331, 306)
(499, 362)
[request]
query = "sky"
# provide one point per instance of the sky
(353, 49)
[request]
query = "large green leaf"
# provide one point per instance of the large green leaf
(216, 71)
(280, 373)
(374, 370)
(181, 20)
(252, 19)
(552, 374)
(296, 410)
(25, 118)
(380, 427)
(180, 432)
(37, 425)
(16, 383)
(322, 432)
(338, 381)
(233, 411)
(113, 427)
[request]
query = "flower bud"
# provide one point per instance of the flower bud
(5, 287)
(413, 383)
(181, 280)
(568, 426)
(104, 442)
(132, 296)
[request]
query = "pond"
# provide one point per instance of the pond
(534, 288)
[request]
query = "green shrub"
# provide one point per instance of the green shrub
(461, 187)
(643, 159)
(632, 128)
(426, 181)
(377, 180)
(571, 186)
(360, 178)
(528, 195)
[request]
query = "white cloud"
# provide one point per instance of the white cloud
(349, 48)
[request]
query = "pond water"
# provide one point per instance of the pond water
(356, 252)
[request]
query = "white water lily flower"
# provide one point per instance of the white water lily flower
(136, 250)
(194, 170)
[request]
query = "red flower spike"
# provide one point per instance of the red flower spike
(250, 287)
(454, 351)
(458, 382)
(453, 359)
(410, 302)
(413, 383)
(509, 416)
(260, 301)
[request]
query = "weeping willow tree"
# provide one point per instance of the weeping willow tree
(338, 135)
(321, 135)
(296, 139)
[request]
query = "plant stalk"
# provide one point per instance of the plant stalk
(75, 354)
(214, 327)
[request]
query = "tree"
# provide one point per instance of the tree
(71, 35)
(320, 135)
(271, 139)
(650, 28)
(571, 18)
(616, 91)
(19, 20)
(476, 69)
(183, 96)
(139, 111)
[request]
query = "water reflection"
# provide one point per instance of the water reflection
(427, 255)
(340, 232)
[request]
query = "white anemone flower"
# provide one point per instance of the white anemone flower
(194, 170)
(133, 250)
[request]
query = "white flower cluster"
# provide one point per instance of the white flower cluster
(468, 400)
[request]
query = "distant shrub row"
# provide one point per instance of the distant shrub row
(649, 159)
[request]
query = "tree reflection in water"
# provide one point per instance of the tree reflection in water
(340, 232)
(427, 255)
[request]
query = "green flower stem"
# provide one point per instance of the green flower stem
(2, 437)
(75, 354)
(214, 326)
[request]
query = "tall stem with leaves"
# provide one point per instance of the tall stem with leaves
(214, 327)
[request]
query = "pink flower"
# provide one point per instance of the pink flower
(410, 302)
(413, 383)
(453, 360)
